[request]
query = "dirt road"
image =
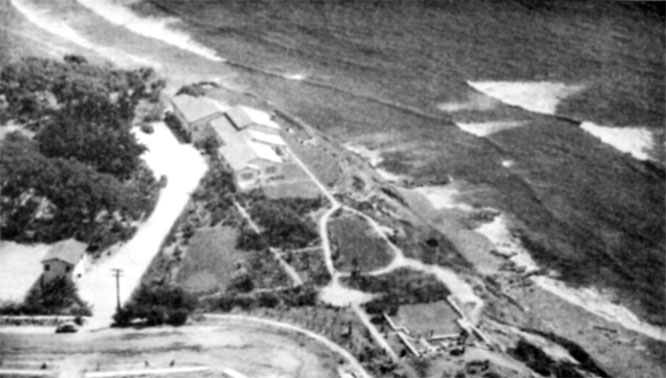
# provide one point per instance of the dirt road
(183, 166)
(248, 346)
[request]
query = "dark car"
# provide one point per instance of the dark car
(66, 328)
(147, 128)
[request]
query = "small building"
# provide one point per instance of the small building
(195, 114)
(253, 163)
(252, 146)
(64, 259)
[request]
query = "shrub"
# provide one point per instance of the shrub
(155, 305)
(58, 296)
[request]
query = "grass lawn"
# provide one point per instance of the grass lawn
(210, 260)
(422, 318)
(356, 241)
(20, 267)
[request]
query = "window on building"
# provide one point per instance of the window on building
(246, 176)
(271, 170)
(47, 267)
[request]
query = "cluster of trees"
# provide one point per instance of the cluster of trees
(283, 221)
(403, 286)
(155, 305)
(216, 190)
(56, 297)
(84, 162)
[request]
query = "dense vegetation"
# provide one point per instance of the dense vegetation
(283, 221)
(56, 297)
(542, 363)
(81, 175)
(300, 296)
(155, 305)
(403, 286)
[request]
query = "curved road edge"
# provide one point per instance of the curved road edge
(322, 339)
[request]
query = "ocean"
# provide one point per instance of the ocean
(490, 93)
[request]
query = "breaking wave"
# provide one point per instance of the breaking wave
(482, 129)
(41, 19)
(632, 140)
(539, 97)
(155, 28)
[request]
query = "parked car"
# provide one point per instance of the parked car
(66, 328)
(147, 128)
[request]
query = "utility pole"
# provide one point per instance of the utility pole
(117, 273)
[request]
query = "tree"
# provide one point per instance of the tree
(57, 296)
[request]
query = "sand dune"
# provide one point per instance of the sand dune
(539, 97)
(156, 28)
(632, 140)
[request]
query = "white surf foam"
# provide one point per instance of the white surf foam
(155, 28)
(635, 141)
(506, 244)
(595, 302)
(539, 97)
(295, 76)
(589, 299)
(482, 129)
(42, 19)
(443, 197)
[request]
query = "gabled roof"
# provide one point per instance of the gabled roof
(223, 128)
(69, 251)
(243, 116)
(258, 136)
(239, 151)
(196, 108)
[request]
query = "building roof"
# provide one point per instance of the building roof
(224, 129)
(243, 116)
(239, 151)
(69, 251)
(196, 108)
(258, 136)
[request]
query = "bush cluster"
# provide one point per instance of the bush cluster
(403, 286)
(155, 305)
(56, 297)
(305, 295)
